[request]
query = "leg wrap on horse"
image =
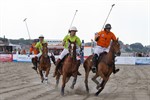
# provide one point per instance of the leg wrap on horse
(95, 59)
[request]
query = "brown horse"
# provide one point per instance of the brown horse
(105, 66)
(69, 68)
(43, 64)
(35, 62)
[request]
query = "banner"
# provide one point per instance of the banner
(125, 60)
(6, 57)
(24, 58)
(142, 61)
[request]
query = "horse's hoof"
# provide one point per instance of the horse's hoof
(62, 93)
(79, 74)
(46, 81)
(96, 94)
(87, 91)
(117, 70)
(34, 68)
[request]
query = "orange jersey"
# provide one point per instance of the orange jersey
(105, 38)
(33, 50)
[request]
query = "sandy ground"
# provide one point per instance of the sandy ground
(18, 81)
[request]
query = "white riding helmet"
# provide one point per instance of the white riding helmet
(41, 36)
(73, 28)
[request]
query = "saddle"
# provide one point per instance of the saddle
(100, 58)
(38, 60)
(101, 55)
(62, 61)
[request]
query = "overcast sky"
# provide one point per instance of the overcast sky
(130, 19)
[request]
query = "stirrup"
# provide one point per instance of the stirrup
(94, 69)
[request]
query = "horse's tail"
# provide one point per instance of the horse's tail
(88, 63)
(85, 65)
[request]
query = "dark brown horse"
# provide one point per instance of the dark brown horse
(105, 66)
(69, 68)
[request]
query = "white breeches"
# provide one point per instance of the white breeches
(38, 55)
(63, 53)
(98, 50)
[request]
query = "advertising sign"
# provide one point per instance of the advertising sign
(6, 57)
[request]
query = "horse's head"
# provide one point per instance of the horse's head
(44, 50)
(116, 47)
(72, 48)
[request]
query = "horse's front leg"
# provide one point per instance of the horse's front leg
(94, 79)
(41, 74)
(47, 73)
(74, 82)
(102, 85)
(63, 84)
(86, 80)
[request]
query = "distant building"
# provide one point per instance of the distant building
(55, 46)
(4, 46)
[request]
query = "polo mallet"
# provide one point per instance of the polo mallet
(108, 16)
(73, 18)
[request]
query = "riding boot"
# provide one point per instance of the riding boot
(53, 59)
(78, 64)
(95, 58)
(114, 69)
(35, 61)
(57, 67)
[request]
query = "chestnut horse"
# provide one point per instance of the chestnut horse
(69, 68)
(35, 63)
(104, 68)
(44, 64)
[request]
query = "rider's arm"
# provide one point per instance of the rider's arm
(78, 41)
(31, 49)
(64, 40)
(37, 45)
(97, 36)
(63, 43)
(113, 37)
